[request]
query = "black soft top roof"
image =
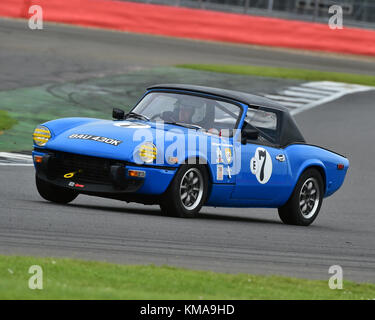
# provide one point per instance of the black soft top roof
(289, 132)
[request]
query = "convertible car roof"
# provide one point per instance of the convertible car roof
(247, 98)
(289, 132)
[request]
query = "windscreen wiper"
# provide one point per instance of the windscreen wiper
(186, 125)
(137, 116)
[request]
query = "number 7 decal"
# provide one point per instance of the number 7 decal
(262, 154)
(261, 165)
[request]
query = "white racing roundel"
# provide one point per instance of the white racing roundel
(261, 165)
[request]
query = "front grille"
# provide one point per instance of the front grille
(93, 169)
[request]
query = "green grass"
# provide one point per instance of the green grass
(76, 279)
(6, 122)
(285, 73)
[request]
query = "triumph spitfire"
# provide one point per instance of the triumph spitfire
(186, 146)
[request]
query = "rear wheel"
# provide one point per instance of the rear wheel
(53, 193)
(187, 192)
(303, 206)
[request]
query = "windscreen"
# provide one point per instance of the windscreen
(214, 116)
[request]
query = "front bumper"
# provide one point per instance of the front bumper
(99, 176)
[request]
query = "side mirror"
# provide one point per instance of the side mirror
(118, 114)
(249, 134)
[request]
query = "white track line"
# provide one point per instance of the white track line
(312, 94)
(292, 105)
(288, 99)
(16, 164)
(15, 156)
(15, 159)
(319, 88)
(313, 91)
(293, 93)
(326, 100)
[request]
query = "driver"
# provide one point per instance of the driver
(185, 113)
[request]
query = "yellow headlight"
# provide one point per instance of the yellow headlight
(147, 152)
(41, 135)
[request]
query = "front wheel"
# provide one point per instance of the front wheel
(53, 193)
(303, 206)
(187, 192)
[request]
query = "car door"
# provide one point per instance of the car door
(263, 166)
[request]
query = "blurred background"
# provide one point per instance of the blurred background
(360, 13)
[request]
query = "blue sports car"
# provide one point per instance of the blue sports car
(184, 147)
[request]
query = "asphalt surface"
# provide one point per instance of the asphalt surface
(229, 240)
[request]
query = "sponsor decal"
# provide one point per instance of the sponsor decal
(261, 165)
(113, 142)
(220, 172)
(76, 185)
(228, 155)
(219, 155)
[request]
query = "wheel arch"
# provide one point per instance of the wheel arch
(319, 166)
(167, 201)
(201, 160)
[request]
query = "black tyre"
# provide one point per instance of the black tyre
(53, 193)
(187, 192)
(304, 204)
